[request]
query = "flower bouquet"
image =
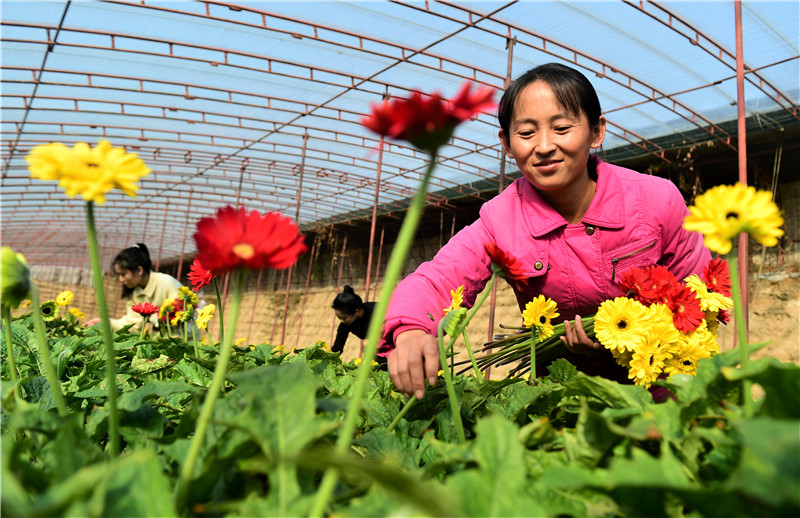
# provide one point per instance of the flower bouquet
(661, 327)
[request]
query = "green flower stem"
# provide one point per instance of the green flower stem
(455, 407)
(402, 413)
(534, 336)
(105, 326)
(144, 326)
(461, 329)
(44, 352)
(196, 346)
(393, 270)
(741, 333)
(219, 305)
(213, 393)
(10, 345)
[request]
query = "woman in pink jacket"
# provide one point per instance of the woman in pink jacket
(574, 222)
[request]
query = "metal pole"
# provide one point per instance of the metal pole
(305, 293)
(161, 241)
(378, 265)
(374, 217)
(253, 311)
(297, 221)
(275, 316)
(510, 42)
(339, 280)
(744, 262)
(183, 241)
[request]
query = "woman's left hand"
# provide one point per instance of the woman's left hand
(577, 342)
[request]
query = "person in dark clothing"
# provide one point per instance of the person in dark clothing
(355, 316)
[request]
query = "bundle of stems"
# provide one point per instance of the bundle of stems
(507, 349)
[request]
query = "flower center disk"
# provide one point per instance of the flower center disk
(244, 250)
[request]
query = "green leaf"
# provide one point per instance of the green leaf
(131, 401)
(613, 394)
(781, 384)
(452, 320)
(487, 491)
(388, 447)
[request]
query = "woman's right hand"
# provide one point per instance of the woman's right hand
(415, 357)
(576, 340)
(91, 322)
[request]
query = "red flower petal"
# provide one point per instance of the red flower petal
(686, 311)
(236, 239)
(718, 276)
(145, 309)
(199, 276)
(512, 269)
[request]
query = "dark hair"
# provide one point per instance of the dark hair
(130, 259)
(347, 301)
(571, 88)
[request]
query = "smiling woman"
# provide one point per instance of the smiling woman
(570, 220)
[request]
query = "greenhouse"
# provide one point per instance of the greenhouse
(330, 258)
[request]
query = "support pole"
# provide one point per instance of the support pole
(255, 306)
(305, 293)
(339, 280)
(744, 261)
(183, 241)
(510, 42)
(374, 217)
(161, 241)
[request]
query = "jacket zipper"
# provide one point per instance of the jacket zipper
(615, 260)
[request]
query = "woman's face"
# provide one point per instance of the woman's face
(550, 145)
(347, 319)
(130, 278)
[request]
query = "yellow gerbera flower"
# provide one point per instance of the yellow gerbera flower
(685, 356)
(177, 318)
(240, 341)
(167, 307)
(25, 303)
(357, 362)
(647, 361)
(457, 299)
(711, 321)
(622, 324)
(188, 295)
(205, 315)
(64, 298)
(85, 171)
(539, 312)
(704, 338)
(709, 300)
(724, 211)
(662, 325)
(77, 313)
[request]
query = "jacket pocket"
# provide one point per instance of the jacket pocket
(644, 252)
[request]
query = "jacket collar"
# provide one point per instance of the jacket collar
(606, 210)
(150, 289)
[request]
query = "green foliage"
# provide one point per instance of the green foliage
(569, 445)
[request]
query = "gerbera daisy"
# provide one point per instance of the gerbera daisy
(49, 310)
(457, 299)
(718, 276)
(77, 313)
(539, 312)
(685, 355)
(686, 311)
(240, 341)
(724, 211)
(709, 300)
(647, 361)
(703, 337)
(199, 275)
(505, 265)
(621, 324)
(89, 172)
(639, 283)
(662, 324)
(65, 298)
(144, 308)
(177, 318)
(235, 239)
(205, 315)
(188, 295)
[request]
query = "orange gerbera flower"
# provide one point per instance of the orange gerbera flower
(236, 239)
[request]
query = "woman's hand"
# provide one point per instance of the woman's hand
(91, 322)
(414, 358)
(577, 342)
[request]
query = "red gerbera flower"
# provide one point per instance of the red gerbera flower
(685, 306)
(235, 239)
(199, 275)
(718, 277)
(177, 305)
(639, 282)
(724, 316)
(145, 309)
(427, 122)
(510, 268)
